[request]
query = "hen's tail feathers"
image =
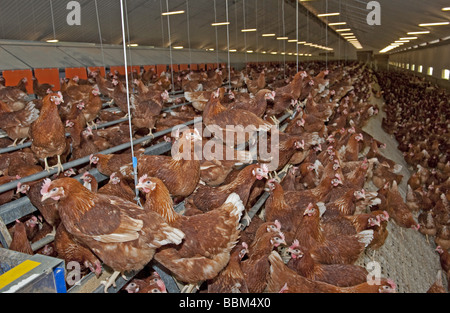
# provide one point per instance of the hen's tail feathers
(397, 168)
(238, 206)
(276, 262)
(174, 235)
(314, 138)
(374, 202)
(322, 207)
(32, 113)
(365, 237)
(244, 157)
(439, 278)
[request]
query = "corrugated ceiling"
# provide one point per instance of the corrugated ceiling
(39, 20)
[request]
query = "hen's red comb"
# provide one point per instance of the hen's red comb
(45, 187)
(295, 244)
(278, 224)
(143, 177)
(392, 284)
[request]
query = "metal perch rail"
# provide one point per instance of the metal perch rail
(13, 210)
(100, 126)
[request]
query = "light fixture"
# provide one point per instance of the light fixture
(446, 9)
(446, 74)
(178, 47)
(220, 24)
(132, 45)
(419, 33)
(264, 52)
(292, 40)
(274, 52)
(268, 35)
(347, 34)
(343, 30)
(434, 24)
(408, 38)
(211, 49)
(399, 41)
(249, 51)
(52, 40)
(388, 48)
(350, 37)
(301, 42)
(282, 38)
(328, 14)
(337, 23)
(172, 13)
(232, 50)
(248, 30)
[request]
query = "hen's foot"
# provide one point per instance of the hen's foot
(111, 281)
(150, 134)
(275, 120)
(189, 288)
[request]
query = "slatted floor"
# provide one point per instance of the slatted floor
(406, 257)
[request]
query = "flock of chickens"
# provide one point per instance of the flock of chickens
(319, 216)
(417, 114)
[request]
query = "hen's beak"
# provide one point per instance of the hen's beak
(145, 188)
(45, 196)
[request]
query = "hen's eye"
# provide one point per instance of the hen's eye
(54, 189)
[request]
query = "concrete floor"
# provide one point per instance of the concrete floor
(406, 257)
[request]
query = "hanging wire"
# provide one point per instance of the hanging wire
(256, 34)
(188, 32)
(128, 102)
(284, 41)
(236, 21)
(326, 36)
(307, 25)
(129, 41)
(245, 34)
(100, 36)
(170, 46)
(217, 38)
(53, 19)
(162, 24)
(296, 30)
(228, 46)
(339, 38)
